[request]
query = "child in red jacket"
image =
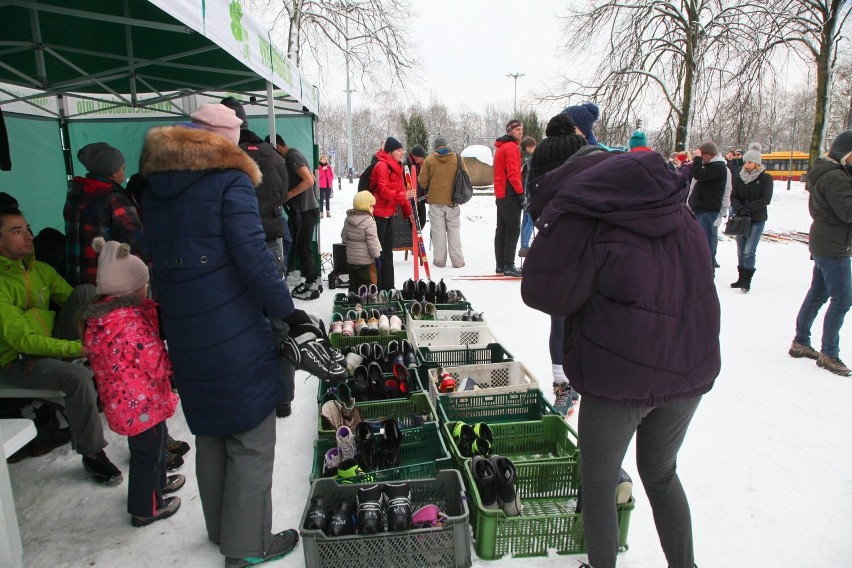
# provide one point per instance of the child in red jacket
(132, 371)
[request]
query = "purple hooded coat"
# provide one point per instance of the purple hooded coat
(622, 257)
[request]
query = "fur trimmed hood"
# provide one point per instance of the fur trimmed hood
(183, 148)
(102, 308)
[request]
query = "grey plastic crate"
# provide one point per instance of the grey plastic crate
(441, 547)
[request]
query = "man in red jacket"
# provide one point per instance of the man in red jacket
(509, 194)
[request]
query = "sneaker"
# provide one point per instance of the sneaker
(101, 469)
(330, 463)
(346, 443)
(282, 543)
(799, 350)
(511, 270)
(566, 396)
(169, 508)
(833, 364)
(624, 489)
(176, 446)
(173, 483)
(311, 291)
(283, 409)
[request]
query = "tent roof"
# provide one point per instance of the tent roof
(141, 51)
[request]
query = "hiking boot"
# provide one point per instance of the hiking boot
(173, 461)
(566, 396)
(511, 270)
(101, 469)
(798, 350)
(507, 494)
(499, 268)
(173, 483)
(485, 477)
(169, 508)
(341, 520)
(398, 496)
(369, 518)
(833, 364)
(282, 544)
(283, 409)
(177, 447)
(624, 489)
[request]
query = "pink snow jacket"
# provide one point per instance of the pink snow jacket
(130, 362)
(326, 176)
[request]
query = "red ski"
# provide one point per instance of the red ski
(416, 234)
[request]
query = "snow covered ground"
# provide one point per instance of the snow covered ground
(766, 464)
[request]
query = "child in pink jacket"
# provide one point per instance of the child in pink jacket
(132, 371)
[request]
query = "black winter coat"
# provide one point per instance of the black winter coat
(272, 191)
(755, 196)
(709, 190)
(830, 205)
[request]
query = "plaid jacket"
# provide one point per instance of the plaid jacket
(96, 207)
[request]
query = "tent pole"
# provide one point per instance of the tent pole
(270, 112)
(65, 139)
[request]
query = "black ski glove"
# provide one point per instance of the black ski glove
(302, 326)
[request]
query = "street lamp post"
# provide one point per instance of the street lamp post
(515, 77)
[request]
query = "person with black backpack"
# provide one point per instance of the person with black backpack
(438, 176)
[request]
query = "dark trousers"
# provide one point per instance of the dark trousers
(325, 198)
(303, 244)
(508, 230)
(384, 275)
(147, 471)
(607, 431)
(362, 275)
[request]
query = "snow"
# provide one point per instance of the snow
(481, 153)
(766, 463)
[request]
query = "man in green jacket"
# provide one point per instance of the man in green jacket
(37, 344)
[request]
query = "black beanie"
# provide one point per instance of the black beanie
(841, 146)
(392, 144)
(552, 152)
(7, 200)
(559, 125)
(101, 159)
(237, 107)
(418, 151)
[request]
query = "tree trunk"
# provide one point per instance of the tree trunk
(293, 36)
(824, 71)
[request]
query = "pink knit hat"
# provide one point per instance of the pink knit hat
(219, 119)
(119, 272)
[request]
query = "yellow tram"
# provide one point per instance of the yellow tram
(779, 166)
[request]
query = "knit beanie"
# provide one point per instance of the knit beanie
(119, 272)
(363, 200)
(219, 119)
(559, 125)
(753, 154)
(552, 152)
(392, 144)
(100, 159)
(238, 109)
(512, 124)
(585, 116)
(841, 147)
(709, 147)
(439, 141)
(638, 138)
(418, 151)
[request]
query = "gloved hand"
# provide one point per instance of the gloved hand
(306, 346)
(522, 199)
(303, 326)
(744, 211)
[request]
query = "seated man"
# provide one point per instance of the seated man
(37, 343)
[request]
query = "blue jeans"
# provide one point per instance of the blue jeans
(746, 246)
(706, 221)
(832, 278)
(526, 229)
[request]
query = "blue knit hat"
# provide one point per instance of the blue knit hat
(637, 139)
(585, 115)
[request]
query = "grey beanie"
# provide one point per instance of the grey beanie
(753, 154)
(439, 141)
(841, 146)
(238, 109)
(709, 147)
(101, 159)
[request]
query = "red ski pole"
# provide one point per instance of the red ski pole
(416, 232)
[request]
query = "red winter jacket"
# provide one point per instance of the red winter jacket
(507, 167)
(386, 177)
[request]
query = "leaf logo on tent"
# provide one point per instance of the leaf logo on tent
(240, 33)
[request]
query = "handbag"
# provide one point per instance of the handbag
(738, 226)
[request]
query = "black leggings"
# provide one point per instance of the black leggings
(385, 276)
(325, 197)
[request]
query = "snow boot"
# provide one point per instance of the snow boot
(739, 281)
(392, 440)
(342, 521)
(366, 442)
(398, 496)
(369, 519)
(485, 477)
(748, 273)
(319, 514)
(507, 494)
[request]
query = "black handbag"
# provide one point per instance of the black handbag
(738, 226)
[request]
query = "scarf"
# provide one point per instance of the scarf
(749, 177)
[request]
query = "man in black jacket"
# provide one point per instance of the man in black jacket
(709, 174)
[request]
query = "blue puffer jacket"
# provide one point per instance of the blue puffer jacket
(623, 258)
(214, 277)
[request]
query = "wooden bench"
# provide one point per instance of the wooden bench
(14, 435)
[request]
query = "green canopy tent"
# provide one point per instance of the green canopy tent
(75, 72)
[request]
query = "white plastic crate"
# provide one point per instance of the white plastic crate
(493, 378)
(426, 333)
(448, 316)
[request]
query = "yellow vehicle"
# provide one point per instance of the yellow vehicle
(778, 164)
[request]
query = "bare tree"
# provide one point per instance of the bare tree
(812, 28)
(675, 50)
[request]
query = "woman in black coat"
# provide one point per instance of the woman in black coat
(750, 196)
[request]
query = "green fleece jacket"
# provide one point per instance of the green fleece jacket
(26, 321)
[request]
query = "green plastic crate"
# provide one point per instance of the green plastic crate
(397, 308)
(340, 341)
(439, 547)
(494, 408)
(417, 403)
(548, 493)
(545, 439)
(422, 454)
(413, 383)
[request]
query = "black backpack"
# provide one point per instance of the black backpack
(364, 179)
(462, 188)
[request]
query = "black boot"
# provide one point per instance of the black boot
(748, 273)
(369, 510)
(390, 444)
(739, 281)
(341, 522)
(318, 515)
(398, 497)
(507, 494)
(486, 478)
(366, 443)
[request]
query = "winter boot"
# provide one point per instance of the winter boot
(398, 497)
(833, 364)
(507, 494)
(342, 521)
(485, 477)
(390, 444)
(511, 270)
(369, 520)
(319, 514)
(366, 442)
(748, 273)
(739, 281)
(624, 489)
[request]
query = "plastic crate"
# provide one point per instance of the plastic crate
(414, 384)
(546, 439)
(419, 325)
(442, 337)
(439, 547)
(493, 378)
(422, 454)
(386, 307)
(417, 403)
(340, 341)
(461, 355)
(520, 406)
(548, 492)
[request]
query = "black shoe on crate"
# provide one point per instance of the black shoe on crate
(390, 444)
(485, 477)
(342, 520)
(398, 504)
(376, 380)
(361, 384)
(422, 290)
(409, 289)
(507, 494)
(369, 518)
(319, 514)
(366, 443)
